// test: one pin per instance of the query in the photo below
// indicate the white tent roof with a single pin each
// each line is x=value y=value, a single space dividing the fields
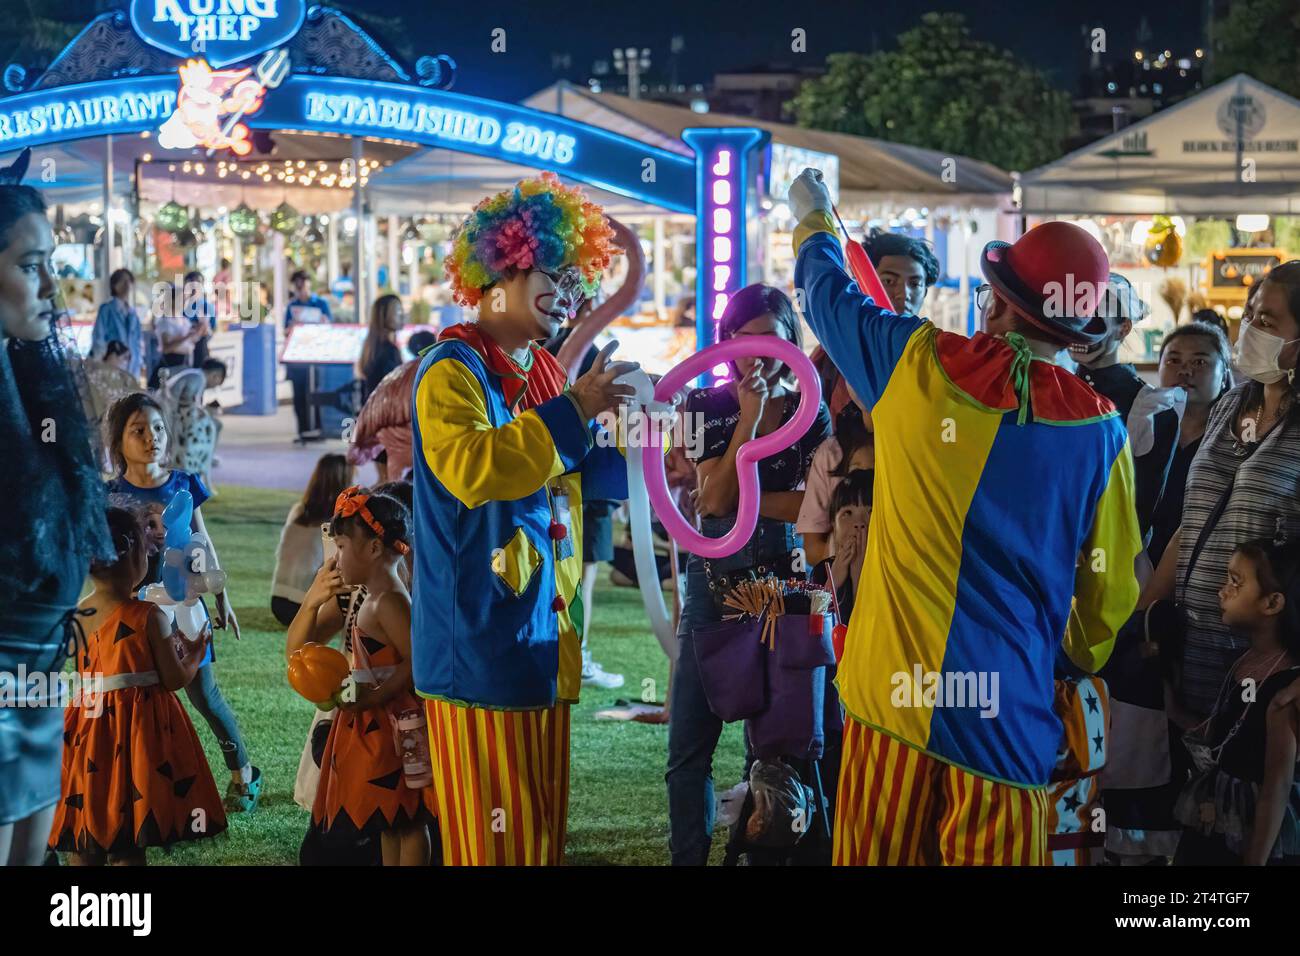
x=448 y=181
x=1186 y=160
x=869 y=168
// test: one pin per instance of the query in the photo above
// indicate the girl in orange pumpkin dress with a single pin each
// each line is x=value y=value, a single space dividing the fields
x=134 y=772
x=365 y=786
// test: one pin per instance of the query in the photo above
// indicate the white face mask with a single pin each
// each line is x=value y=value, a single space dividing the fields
x=1256 y=355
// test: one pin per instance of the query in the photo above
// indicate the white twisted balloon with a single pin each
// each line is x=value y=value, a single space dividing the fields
x=638 y=504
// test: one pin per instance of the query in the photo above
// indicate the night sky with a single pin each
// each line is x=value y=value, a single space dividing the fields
x=729 y=35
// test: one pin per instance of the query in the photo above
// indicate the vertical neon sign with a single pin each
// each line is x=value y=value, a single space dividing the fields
x=722 y=195
x=721 y=229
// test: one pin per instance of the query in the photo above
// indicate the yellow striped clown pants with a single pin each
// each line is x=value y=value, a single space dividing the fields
x=898 y=806
x=501 y=780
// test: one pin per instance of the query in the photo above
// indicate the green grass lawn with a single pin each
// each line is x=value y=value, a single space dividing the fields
x=618 y=807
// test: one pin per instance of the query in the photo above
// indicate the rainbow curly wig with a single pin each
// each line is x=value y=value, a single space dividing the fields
x=539 y=224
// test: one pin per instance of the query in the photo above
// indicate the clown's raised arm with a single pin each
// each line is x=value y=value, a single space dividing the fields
x=864 y=340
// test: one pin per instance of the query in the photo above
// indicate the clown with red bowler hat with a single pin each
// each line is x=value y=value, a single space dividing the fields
x=1003 y=527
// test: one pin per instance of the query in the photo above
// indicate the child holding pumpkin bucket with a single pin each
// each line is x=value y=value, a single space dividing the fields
x=365 y=785
x=134 y=772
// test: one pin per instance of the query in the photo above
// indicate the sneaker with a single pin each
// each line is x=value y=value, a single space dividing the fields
x=593 y=675
x=730 y=804
x=243 y=797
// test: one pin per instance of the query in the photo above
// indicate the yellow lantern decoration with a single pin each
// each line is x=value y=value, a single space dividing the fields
x=1163 y=246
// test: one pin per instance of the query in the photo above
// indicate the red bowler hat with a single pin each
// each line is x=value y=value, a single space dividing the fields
x=1054 y=276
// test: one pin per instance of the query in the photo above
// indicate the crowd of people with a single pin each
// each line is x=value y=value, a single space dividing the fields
x=1111 y=568
x=168 y=359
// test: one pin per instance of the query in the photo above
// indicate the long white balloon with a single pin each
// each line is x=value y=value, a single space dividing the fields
x=638 y=505
x=643 y=553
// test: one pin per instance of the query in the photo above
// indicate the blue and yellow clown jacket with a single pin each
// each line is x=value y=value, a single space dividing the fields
x=1003 y=523
x=487 y=629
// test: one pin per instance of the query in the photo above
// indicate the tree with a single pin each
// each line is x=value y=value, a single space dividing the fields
x=1259 y=37
x=943 y=90
x=41 y=29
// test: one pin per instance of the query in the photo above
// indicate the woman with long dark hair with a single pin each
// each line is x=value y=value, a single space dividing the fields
x=1141 y=785
x=301 y=550
x=380 y=355
x=55 y=521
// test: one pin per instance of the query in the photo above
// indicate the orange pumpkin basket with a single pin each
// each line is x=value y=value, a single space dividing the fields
x=317 y=672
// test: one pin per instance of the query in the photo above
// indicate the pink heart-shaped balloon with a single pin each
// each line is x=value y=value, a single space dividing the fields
x=747 y=459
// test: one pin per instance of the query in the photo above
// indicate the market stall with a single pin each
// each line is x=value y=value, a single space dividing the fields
x=1180 y=197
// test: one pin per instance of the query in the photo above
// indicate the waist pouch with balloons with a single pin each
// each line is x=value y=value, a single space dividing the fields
x=770 y=663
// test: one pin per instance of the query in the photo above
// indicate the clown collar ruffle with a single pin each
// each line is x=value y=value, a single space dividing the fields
x=1000 y=374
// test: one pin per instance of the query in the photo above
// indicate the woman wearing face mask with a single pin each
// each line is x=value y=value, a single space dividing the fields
x=54 y=526
x=1249 y=459
x=756 y=401
x=1197 y=358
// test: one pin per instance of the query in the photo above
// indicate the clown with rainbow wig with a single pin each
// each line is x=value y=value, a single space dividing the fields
x=501 y=451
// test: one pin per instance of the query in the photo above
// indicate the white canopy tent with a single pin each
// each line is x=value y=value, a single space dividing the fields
x=870 y=169
x=1231 y=149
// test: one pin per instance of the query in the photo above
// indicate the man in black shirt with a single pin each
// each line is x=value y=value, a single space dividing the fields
x=1151 y=414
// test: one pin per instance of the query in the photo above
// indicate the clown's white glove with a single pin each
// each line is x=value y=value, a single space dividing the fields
x=809 y=194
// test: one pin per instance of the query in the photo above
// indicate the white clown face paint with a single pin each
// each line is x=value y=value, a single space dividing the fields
x=553 y=299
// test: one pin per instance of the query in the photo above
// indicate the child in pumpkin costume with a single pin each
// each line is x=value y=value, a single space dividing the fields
x=499 y=443
x=364 y=790
x=134 y=772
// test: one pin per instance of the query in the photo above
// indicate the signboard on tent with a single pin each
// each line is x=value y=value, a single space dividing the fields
x=1231 y=273
x=787 y=162
x=1233 y=148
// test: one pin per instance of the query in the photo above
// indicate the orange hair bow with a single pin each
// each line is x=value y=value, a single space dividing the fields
x=352 y=502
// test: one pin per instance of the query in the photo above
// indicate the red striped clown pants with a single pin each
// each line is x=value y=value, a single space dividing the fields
x=898 y=806
x=501 y=782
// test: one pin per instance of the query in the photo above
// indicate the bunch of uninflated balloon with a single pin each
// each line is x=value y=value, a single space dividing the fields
x=189 y=569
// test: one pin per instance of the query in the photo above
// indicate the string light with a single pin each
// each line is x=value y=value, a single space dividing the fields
x=341 y=174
